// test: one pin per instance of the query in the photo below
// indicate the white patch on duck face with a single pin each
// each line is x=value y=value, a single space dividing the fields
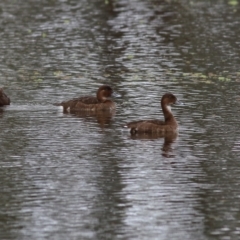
x=169 y=108
x=60 y=108
x=104 y=99
x=68 y=109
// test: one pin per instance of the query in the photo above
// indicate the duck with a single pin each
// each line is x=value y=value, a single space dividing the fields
x=168 y=126
x=102 y=102
x=4 y=99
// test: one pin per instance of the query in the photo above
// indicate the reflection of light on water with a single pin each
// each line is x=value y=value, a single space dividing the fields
x=236 y=147
x=29 y=107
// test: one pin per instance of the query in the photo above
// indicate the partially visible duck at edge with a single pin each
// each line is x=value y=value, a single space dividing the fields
x=4 y=99
x=102 y=102
x=168 y=126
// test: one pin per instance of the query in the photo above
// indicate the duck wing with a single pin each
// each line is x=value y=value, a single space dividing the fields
x=137 y=124
x=81 y=101
x=87 y=100
x=145 y=126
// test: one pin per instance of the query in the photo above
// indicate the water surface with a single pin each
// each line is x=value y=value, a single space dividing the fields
x=69 y=176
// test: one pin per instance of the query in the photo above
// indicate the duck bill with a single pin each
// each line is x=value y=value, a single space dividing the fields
x=179 y=103
x=115 y=95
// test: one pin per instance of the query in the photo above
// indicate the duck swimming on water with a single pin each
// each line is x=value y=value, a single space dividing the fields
x=101 y=102
x=169 y=125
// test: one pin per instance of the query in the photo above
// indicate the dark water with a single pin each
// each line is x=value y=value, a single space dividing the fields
x=84 y=177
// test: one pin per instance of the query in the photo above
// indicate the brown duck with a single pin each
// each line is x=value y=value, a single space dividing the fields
x=169 y=125
x=102 y=102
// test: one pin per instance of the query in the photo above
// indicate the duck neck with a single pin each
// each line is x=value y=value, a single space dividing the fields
x=167 y=113
x=101 y=98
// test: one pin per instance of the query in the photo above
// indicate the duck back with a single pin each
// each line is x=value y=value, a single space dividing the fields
x=87 y=103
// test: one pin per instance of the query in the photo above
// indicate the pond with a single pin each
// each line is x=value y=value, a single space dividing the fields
x=66 y=176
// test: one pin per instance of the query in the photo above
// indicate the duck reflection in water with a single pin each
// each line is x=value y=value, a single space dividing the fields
x=103 y=118
x=1 y=112
x=169 y=139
